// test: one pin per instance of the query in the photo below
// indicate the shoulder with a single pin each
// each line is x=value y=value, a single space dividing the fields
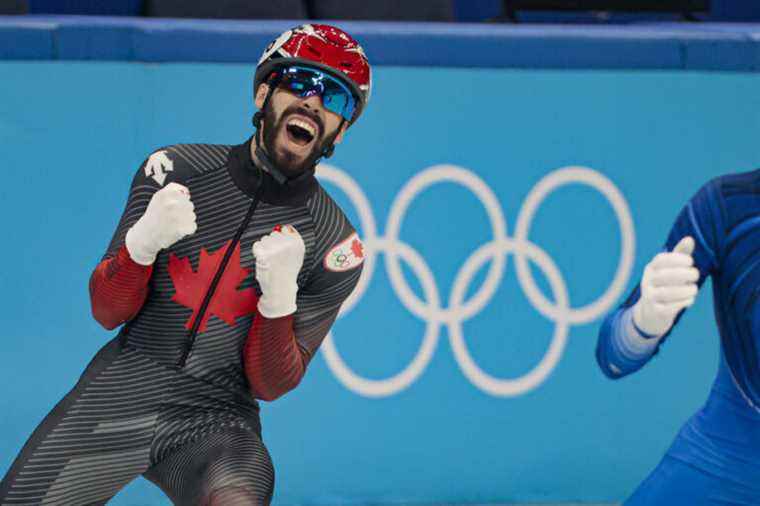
x=327 y=216
x=179 y=162
x=736 y=184
x=338 y=247
x=719 y=206
x=721 y=189
x=735 y=197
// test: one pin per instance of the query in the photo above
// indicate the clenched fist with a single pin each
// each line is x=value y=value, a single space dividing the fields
x=279 y=256
x=669 y=285
x=170 y=216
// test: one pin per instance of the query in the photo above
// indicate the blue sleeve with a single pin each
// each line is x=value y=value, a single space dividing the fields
x=622 y=348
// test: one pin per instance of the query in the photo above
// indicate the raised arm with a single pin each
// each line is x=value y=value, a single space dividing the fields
x=291 y=323
x=154 y=219
x=632 y=334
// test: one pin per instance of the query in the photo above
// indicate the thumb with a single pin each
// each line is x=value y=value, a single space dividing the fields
x=256 y=250
x=685 y=246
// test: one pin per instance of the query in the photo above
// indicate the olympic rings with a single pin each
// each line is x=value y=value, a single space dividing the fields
x=458 y=310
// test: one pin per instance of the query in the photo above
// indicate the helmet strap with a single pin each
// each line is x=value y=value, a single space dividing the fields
x=264 y=159
x=328 y=151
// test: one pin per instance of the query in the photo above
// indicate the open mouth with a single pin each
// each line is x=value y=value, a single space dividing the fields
x=300 y=132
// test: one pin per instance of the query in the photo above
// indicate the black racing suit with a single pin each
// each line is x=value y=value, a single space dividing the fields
x=172 y=397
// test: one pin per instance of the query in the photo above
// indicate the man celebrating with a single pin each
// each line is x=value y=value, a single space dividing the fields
x=714 y=459
x=229 y=266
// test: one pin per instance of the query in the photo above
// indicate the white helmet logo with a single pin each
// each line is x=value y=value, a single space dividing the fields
x=275 y=45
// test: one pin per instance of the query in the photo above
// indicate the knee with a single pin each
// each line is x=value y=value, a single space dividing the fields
x=242 y=475
x=242 y=487
x=239 y=496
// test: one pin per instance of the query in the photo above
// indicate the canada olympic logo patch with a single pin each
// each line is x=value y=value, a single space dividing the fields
x=347 y=255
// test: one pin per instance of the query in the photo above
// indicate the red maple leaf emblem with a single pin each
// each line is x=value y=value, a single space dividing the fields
x=357 y=248
x=228 y=303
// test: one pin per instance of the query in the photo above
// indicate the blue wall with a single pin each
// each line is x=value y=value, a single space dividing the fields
x=72 y=134
x=464 y=10
x=697 y=46
x=720 y=10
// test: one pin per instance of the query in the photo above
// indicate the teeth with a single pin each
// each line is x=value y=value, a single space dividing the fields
x=304 y=125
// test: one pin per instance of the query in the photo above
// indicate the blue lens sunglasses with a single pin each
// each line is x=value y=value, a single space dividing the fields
x=306 y=82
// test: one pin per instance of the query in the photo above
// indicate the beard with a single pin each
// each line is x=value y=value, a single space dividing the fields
x=291 y=164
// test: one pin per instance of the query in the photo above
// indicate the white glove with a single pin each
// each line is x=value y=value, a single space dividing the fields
x=279 y=256
x=170 y=216
x=669 y=285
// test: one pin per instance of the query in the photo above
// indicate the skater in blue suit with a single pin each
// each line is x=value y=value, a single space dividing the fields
x=715 y=459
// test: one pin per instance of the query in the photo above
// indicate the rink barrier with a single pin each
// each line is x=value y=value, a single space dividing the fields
x=723 y=47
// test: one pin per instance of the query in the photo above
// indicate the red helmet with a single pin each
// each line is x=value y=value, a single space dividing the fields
x=325 y=47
